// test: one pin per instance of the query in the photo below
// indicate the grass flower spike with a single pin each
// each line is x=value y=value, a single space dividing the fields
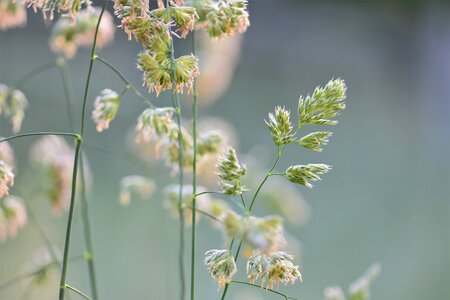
x=324 y=105
x=315 y=141
x=223 y=18
x=106 y=106
x=221 y=265
x=274 y=268
x=230 y=171
x=302 y=173
x=280 y=126
x=153 y=122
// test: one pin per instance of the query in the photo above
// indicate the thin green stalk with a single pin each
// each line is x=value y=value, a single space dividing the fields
x=87 y=233
x=204 y=193
x=259 y=287
x=128 y=84
x=206 y=214
x=84 y=204
x=78 y=292
x=279 y=151
x=62 y=286
x=194 y=173
x=265 y=178
x=18 y=83
x=74 y=135
x=177 y=106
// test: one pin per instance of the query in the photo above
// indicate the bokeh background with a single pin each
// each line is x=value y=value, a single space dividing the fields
x=386 y=200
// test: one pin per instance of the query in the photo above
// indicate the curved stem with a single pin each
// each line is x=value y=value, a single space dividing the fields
x=194 y=174
x=18 y=83
x=128 y=84
x=62 y=286
x=78 y=292
x=265 y=178
x=74 y=135
x=206 y=214
x=208 y=192
x=266 y=289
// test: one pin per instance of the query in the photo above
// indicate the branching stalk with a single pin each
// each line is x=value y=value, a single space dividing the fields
x=128 y=84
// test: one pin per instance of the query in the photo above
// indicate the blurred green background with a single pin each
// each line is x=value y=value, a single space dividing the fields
x=386 y=200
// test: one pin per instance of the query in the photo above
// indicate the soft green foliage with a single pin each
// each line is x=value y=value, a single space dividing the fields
x=230 y=171
x=302 y=173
